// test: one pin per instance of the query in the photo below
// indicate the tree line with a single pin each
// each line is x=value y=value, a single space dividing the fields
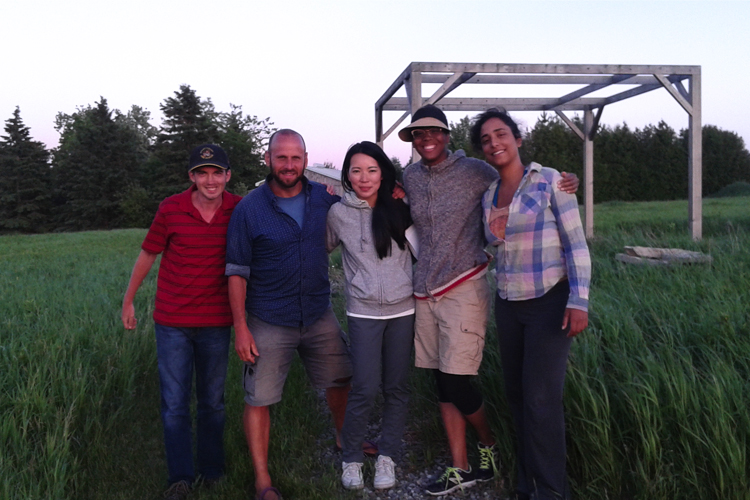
x=112 y=169
x=646 y=164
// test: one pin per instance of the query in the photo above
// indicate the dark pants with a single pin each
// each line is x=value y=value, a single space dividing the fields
x=179 y=350
x=380 y=351
x=534 y=352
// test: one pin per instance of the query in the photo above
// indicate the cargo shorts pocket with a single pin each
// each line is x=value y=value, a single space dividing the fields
x=472 y=340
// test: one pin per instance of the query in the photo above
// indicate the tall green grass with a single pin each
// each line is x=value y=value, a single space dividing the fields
x=657 y=395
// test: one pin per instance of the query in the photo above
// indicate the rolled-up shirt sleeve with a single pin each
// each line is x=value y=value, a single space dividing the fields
x=239 y=244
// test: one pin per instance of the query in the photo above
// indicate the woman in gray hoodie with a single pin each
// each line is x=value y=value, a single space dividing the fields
x=370 y=225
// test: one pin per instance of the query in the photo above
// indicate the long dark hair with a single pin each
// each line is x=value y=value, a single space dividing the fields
x=390 y=217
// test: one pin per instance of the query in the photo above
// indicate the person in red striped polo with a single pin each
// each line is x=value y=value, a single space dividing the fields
x=192 y=315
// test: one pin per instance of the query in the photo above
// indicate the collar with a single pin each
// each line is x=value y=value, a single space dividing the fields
x=445 y=164
x=185 y=201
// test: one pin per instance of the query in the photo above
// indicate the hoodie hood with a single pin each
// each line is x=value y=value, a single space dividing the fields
x=350 y=199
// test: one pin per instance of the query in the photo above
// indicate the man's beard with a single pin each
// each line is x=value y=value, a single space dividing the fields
x=283 y=183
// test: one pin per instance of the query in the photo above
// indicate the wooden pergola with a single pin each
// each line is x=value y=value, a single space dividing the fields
x=592 y=78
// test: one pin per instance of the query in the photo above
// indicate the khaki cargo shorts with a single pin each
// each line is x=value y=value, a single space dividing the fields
x=449 y=331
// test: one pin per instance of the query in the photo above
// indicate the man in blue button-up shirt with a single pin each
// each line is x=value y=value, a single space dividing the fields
x=279 y=293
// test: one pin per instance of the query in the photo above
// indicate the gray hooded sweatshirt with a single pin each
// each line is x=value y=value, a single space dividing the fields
x=445 y=201
x=374 y=287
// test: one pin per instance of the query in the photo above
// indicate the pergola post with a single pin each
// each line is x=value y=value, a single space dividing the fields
x=695 y=158
x=588 y=172
x=414 y=93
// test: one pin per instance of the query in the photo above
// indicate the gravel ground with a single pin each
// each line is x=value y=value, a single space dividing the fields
x=411 y=473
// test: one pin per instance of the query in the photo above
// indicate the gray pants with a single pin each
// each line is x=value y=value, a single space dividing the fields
x=380 y=351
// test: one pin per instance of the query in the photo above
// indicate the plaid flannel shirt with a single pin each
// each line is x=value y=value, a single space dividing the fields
x=544 y=240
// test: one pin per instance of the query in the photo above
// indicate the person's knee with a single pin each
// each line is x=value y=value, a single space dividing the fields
x=458 y=390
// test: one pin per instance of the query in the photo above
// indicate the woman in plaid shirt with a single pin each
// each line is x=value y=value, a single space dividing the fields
x=543 y=272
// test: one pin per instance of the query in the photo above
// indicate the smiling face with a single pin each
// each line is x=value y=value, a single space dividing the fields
x=210 y=181
x=432 y=147
x=365 y=176
x=499 y=146
x=287 y=159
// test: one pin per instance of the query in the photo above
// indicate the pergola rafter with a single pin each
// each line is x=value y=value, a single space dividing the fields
x=594 y=78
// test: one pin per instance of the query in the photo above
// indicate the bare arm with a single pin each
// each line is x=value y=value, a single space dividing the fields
x=140 y=270
x=244 y=343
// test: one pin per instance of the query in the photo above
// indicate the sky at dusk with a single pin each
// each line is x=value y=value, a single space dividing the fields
x=318 y=67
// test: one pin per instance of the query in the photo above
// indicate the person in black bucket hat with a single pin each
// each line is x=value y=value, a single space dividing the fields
x=445 y=189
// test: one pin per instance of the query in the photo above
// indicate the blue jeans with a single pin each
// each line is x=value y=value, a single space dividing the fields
x=178 y=350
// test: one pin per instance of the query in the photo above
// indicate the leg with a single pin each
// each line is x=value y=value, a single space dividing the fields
x=481 y=425
x=174 y=351
x=323 y=351
x=263 y=382
x=211 y=358
x=455 y=429
x=545 y=363
x=511 y=339
x=398 y=340
x=256 y=421
x=365 y=344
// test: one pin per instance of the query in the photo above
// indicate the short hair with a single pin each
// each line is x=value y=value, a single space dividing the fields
x=286 y=131
x=499 y=113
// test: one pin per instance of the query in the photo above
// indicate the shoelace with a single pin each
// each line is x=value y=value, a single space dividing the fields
x=352 y=470
x=383 y=466
x=451 y=474
x=486 y=459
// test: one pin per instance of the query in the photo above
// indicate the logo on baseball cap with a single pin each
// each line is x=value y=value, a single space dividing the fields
x=208 y=155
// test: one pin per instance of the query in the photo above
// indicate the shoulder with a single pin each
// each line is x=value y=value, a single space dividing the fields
x=547 y=174
x=318 y=191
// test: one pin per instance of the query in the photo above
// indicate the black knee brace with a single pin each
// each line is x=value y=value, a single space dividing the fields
x=457 y=389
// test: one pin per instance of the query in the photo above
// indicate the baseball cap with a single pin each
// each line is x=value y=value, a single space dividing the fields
x=208 y=155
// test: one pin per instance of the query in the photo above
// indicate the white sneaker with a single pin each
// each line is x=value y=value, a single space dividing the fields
x=351 y=478
x=385 y=473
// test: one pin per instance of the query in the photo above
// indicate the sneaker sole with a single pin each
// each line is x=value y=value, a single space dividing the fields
x=384 y=486
x=484 y=480
x=467 y=484
x=354 y=486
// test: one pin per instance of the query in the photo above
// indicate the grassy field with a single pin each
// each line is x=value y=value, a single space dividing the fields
x=657 y=396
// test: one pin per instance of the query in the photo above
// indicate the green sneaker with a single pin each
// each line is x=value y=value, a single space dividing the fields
x=489 y=462
x=452 y=479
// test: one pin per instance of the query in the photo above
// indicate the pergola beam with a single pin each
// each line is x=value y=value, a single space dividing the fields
x=594 y=77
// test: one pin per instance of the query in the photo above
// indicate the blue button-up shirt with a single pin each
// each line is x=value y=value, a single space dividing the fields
x=286 y=267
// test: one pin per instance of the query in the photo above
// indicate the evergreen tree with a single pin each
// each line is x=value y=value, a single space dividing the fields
x=460 y=138
x=725 y=158
x=188 y=122
x=244 y=138
x=24 y=179
x=98 y=157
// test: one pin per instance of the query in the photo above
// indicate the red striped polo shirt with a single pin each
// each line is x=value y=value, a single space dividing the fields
x=191 y=290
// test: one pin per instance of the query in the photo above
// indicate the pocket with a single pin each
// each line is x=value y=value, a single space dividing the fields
x=398 y=289
x=472 y=340
x=535 y=200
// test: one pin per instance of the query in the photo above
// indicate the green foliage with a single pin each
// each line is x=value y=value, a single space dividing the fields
x=739 y=188
x=244 y=138
x=460 y=138
x=725 y=159
x=188 y=122
x=98 y=155
x=25 y=180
